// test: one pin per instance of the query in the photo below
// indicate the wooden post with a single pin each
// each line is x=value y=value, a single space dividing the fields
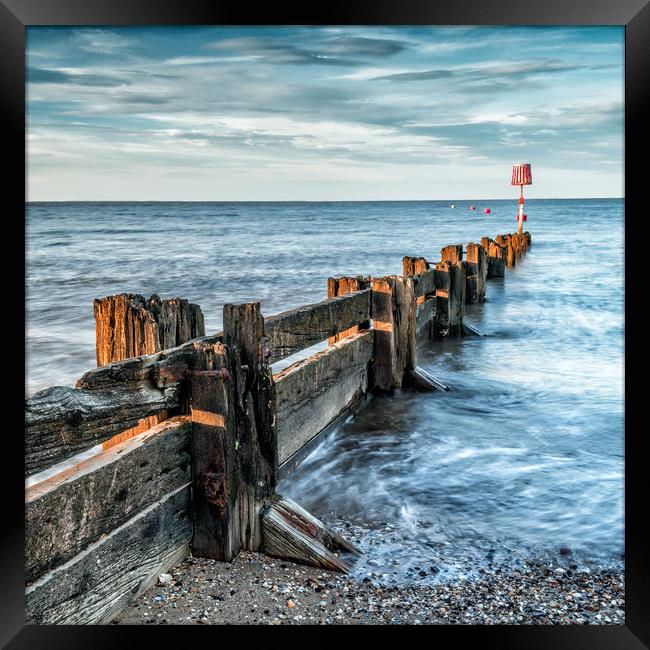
x=215 y=471
x=450 y=297
x=506 y=242
x=476 y=260
x=127 y=326
x=415 y=266
x=255 y=417
x=451 y=253
x=528 y=238
x=339 y=287
x=393 y=316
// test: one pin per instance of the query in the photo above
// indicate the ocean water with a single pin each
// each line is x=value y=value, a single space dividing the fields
x=522 y=457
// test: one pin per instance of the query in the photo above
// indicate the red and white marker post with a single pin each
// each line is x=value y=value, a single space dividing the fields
x=521 y=175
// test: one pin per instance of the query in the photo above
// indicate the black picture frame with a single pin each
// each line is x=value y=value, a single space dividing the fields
x=16 y=15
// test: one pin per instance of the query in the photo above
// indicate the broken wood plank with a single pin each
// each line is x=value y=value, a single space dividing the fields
x=313 y=392
x=61 y=421
x=341 y=287
x=470 y=330
x=255 y=416
x=297 y=329
x=74 y=508
x=393 y=317
x=421 y=380
x=290 y=532
x=98 y=583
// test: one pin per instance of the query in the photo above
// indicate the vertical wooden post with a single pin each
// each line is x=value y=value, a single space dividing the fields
x=393 y=316
x=506 y=242
x=451 y=278
x=339 y=287
x=476 y=260
x=415 y=266
x=127 y=325
x=255 y=417
x=215 y=472
x=451 y=253
x=528 y=238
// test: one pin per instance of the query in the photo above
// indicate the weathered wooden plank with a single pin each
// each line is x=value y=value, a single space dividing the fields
x=215 y=471
x=98 y=583
x=424 y=285
x=393 y=316
x=255 y=417
x=74 y=508
x=63 y=421
x=451 y=253
x=476 y=260
x=421 y=380
x=162 y=369
x=341 y=287
x=450 y=298
x=496 y=258
x=313 y=392
x=297 y=329
x=290 y=464
x=425 y=314
x=290 y=532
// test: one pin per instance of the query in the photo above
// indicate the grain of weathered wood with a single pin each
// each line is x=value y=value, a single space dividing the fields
x=128 y=325
x=476 y=260
x=496 y=258
x=297 y=329
x=451 y=253
x=63 y=421
x=290 y=532
x=255 y=416
x=394 y=322
x=162 y=369
x=425 y=314
x=340 y=287
x=215 y=470
x=312 y=393
x=450 y=298
x=71 y=510
x=98 y=583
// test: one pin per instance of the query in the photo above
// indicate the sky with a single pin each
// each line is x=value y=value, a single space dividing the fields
x=218 y=113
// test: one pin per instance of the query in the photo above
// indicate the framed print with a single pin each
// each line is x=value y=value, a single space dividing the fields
x=326 y=320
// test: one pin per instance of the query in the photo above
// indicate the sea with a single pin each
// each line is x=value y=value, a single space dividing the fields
x=523 y=458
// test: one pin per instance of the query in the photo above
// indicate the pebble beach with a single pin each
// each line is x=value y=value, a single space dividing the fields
x=258 y=590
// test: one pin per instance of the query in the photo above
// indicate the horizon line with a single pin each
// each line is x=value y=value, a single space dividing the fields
x=539 y=198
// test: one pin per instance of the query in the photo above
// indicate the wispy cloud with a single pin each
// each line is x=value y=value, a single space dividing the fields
x=252 y=112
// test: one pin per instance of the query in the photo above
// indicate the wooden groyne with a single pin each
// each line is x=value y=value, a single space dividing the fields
x=197 y=430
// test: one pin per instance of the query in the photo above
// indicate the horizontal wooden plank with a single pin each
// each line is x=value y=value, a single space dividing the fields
x=66 y=513
x=63 y=421
x=161 y=369
x=98 y=583
x=297 y=329
x=312 y=393
x=425 y=283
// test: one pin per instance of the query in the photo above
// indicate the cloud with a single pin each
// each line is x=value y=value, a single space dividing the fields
x=278 y=52
x=366 y=47
x=43 y=75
